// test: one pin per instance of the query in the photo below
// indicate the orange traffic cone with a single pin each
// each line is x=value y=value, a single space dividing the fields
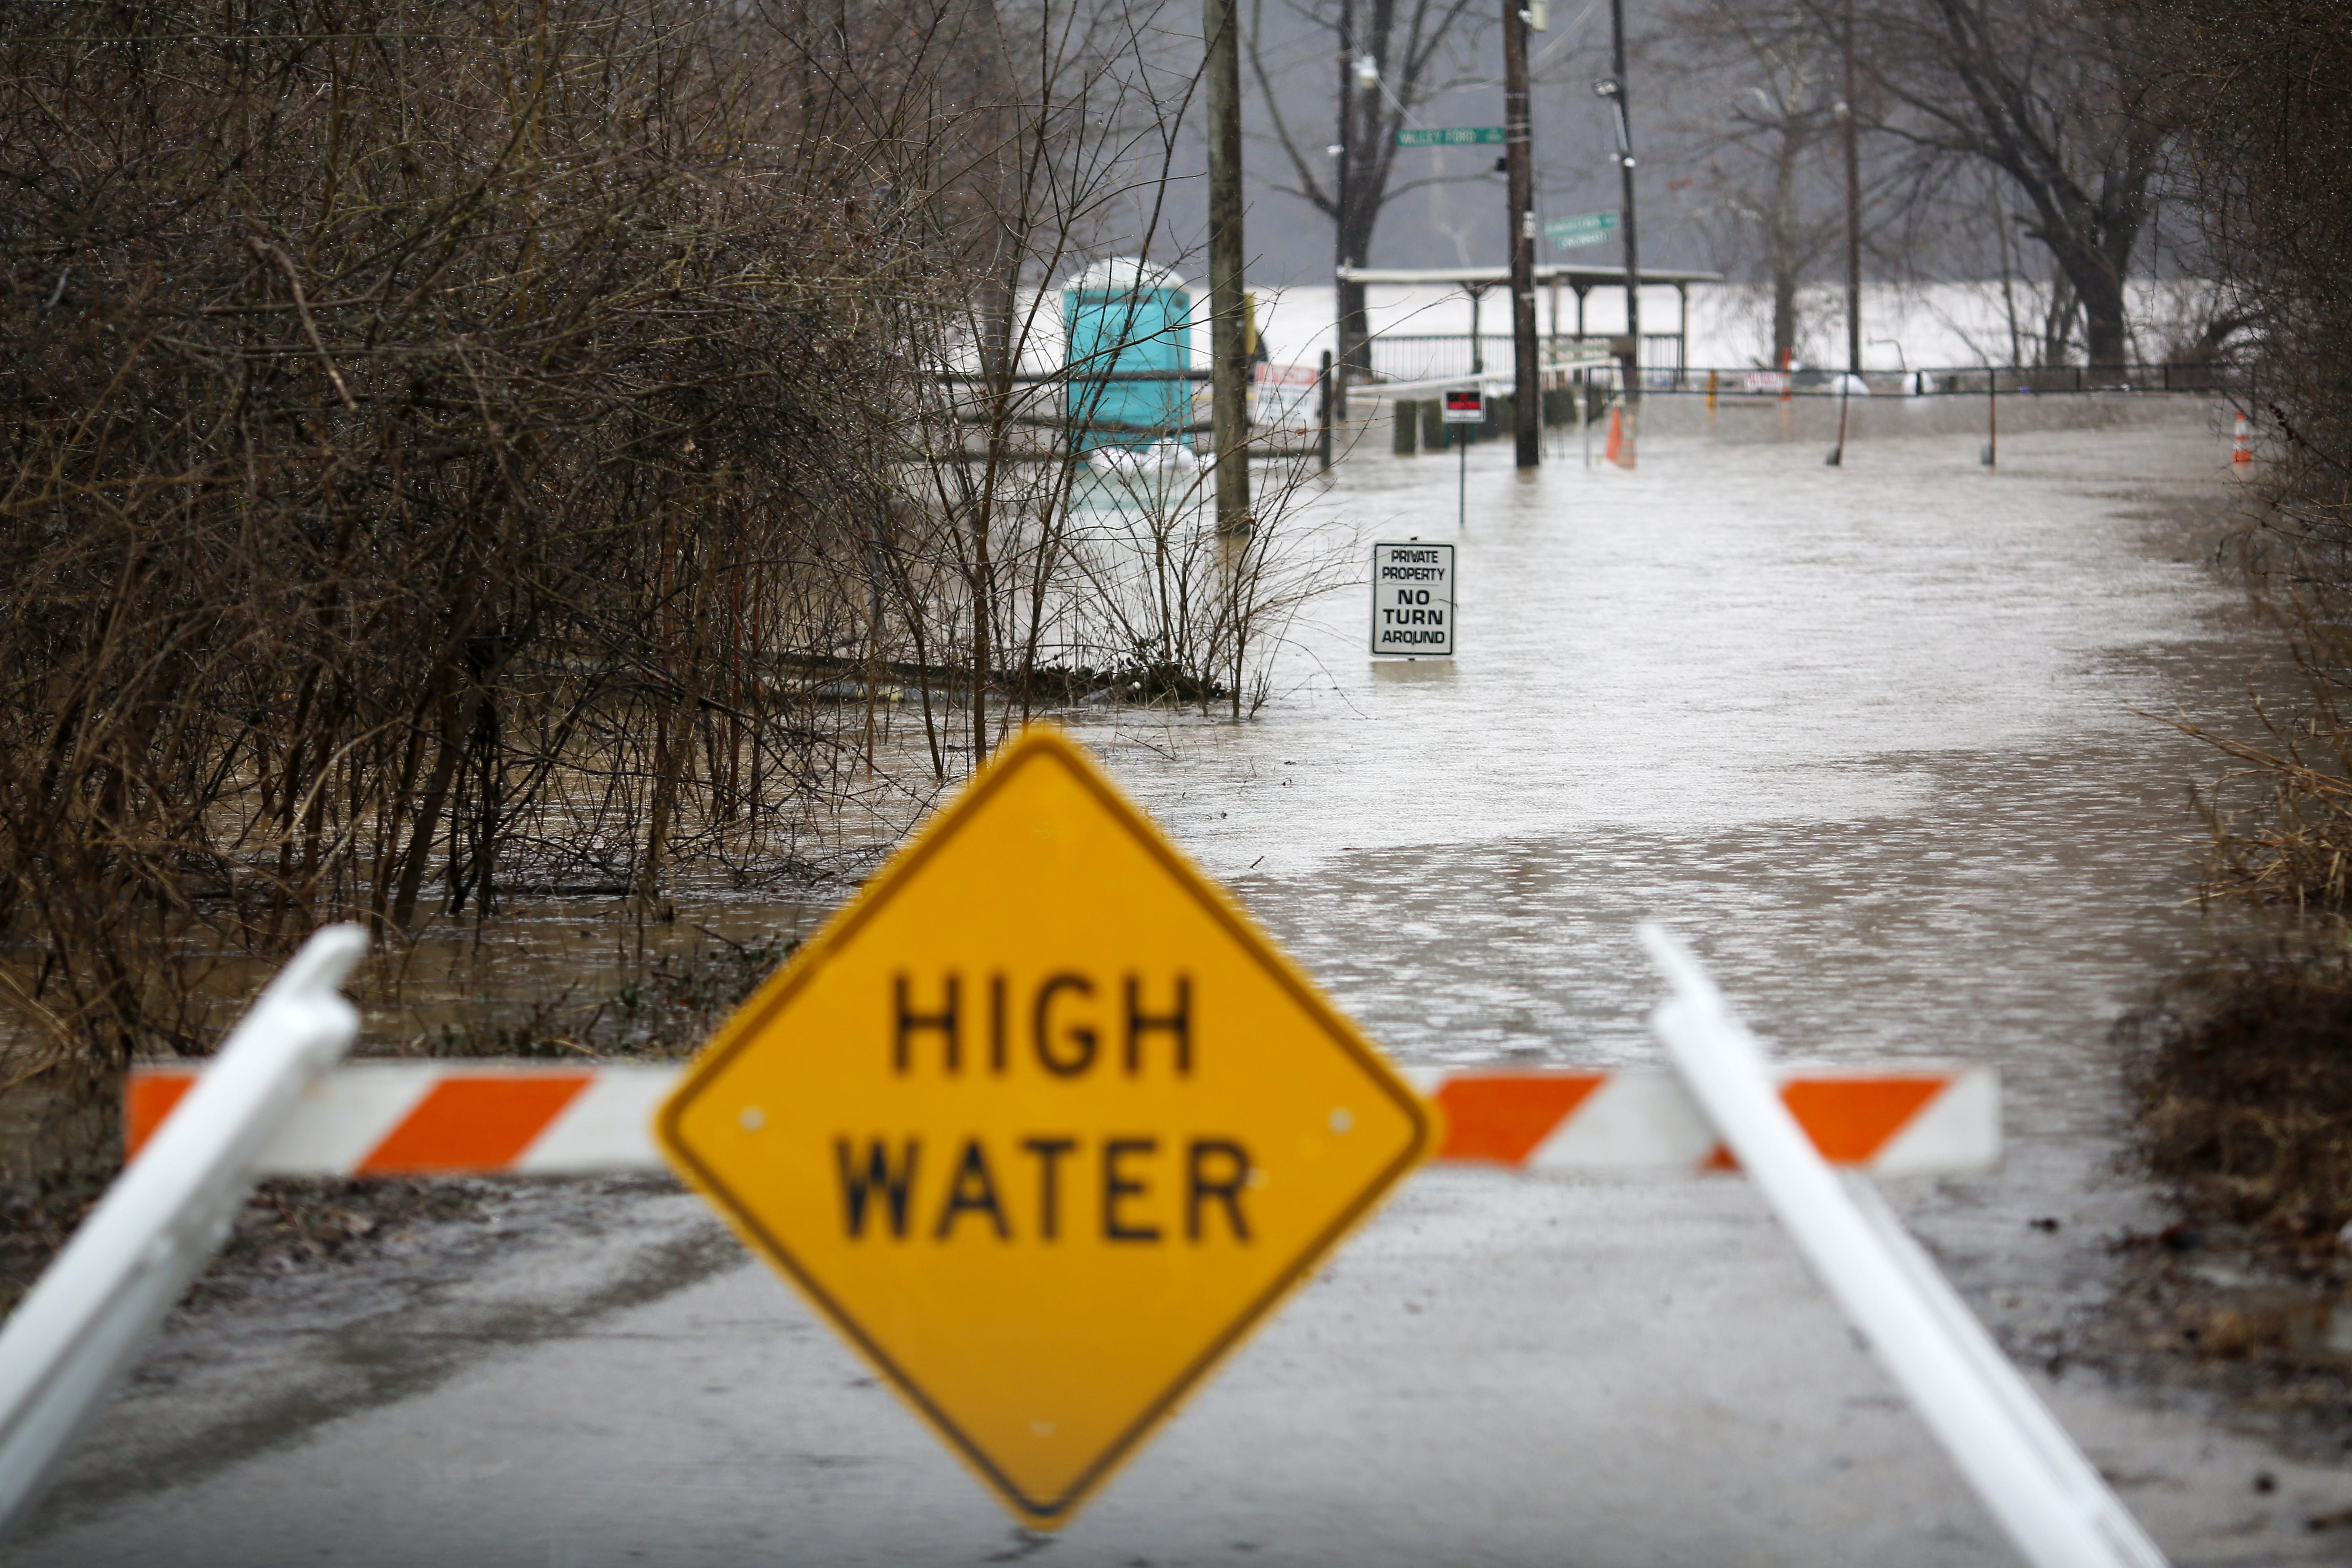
x=2242 y=445
x=1620 y=450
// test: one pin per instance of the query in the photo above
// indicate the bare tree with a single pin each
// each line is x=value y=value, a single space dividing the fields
x=2053 y=94
x=1389 y=55
x=1772 y=74
x=454 y=454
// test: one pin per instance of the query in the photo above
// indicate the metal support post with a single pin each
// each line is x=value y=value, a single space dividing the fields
x=2046 y=1498
x=86 y=1318
x=1460 y=437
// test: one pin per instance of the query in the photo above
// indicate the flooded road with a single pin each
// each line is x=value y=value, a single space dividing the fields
x=1866 y=737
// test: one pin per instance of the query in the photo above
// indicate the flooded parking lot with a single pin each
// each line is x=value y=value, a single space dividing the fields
x=1879 y=740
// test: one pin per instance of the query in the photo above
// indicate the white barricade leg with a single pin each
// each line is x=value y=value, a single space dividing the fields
x=133 y=1258
x=2048 y=1500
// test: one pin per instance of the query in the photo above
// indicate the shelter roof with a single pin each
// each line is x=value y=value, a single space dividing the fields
x=1496 y=277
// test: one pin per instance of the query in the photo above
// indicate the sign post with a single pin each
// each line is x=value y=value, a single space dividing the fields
x=1463 y=406
x=1043 y=1124
x=1412 y=599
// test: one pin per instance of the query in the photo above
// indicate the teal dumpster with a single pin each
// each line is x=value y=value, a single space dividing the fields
x=1119 y=316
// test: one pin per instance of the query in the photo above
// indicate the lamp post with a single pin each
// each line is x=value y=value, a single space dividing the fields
x=1844 y=111
x=1614 y=89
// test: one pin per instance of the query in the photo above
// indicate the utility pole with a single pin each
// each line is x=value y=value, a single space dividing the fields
x=1518 y=159
x=1343 y=150
x=1852 y=241
x=1614 y=89
x=1852 y=209
x=1229 y=366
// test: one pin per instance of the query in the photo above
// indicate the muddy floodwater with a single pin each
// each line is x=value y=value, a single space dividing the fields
x=1878 y=741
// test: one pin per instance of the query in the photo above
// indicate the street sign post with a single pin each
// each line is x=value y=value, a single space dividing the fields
x=1463 y=406
x=1412 y=599
x=1043 y=1124
x=1586 y=228
x=1452 y=136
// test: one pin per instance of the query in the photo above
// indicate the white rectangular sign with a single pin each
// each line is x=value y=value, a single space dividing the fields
x=1412 y=599
x=1282 y=397
x=1465 y=405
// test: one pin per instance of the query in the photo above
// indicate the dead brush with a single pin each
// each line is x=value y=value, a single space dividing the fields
x=2246 y=1094
x=2244 y=1073
x=2279 y=825
x=450 y=451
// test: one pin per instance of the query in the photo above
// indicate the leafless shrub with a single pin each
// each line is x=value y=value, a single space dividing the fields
x=454 y=449
x=2266 y=93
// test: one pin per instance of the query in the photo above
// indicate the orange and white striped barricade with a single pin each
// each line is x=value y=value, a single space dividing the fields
x=1926 y=1120
x=434 y=1118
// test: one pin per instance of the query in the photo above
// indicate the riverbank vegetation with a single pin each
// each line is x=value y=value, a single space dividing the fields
x=458 y=452
x=2247 y=1064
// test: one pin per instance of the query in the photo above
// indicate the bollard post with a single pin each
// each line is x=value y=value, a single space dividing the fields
x=1406 y=422
x=94 y=1307
x=1323 y=414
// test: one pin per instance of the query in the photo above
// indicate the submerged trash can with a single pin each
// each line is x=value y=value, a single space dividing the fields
x=1119 y=316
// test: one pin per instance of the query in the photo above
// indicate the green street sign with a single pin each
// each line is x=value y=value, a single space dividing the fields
x=1453 y=136
x=1589 y=228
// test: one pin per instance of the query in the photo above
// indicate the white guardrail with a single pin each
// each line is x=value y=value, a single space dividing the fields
x=79 y=1329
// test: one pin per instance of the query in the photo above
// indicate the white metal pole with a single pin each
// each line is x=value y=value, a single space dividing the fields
x=85 y=1320
x=2051 y=1504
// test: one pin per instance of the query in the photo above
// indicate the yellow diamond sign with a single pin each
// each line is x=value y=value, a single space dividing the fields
x=1043 y=1124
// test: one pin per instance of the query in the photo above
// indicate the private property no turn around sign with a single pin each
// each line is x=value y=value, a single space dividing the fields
x=1043 y=1124
x=1412 y=599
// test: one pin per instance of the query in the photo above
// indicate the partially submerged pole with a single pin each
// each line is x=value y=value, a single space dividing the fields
x=1229 y=366
x=1613 y=88
x=1518 y=159
x=1852 y=241
x=1323 y=416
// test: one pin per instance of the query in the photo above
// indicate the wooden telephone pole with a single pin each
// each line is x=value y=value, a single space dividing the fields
x=1229 y=364
x=1518 y=159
